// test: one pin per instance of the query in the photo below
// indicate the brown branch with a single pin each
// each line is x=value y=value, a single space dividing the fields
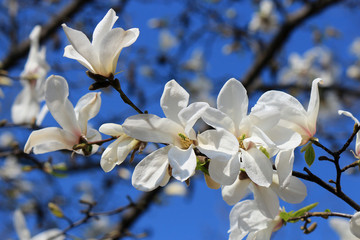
x=47 y=30
x=291 y=23
x=131 y=216
x=321 y=214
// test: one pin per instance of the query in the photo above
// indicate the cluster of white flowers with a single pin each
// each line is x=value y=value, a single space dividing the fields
x=316 y=62
x=240 y=151
x=353 y=71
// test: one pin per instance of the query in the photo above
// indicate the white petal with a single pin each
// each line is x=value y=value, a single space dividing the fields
x=109 y=157
x=257 y=166
x=284 y=164
x=49 y=234
x=125 y=147
x=218 y=144
x=70 y=52
x=189 y=115
x=173 y=100
x=26 y=106
x=111 y=129
x=182 y=162
x=250 y=219
x=103 y=27
x=284 y=138
x=342 y=227
x=355 y=224
x=235 y=192
x=53 y=138
x=233 y=100
x=86 y=108
x=218 y=119
x=224 y=171
x=56 y=97
x=130 y=36
x=82 y=45
x=20 y=225
x=314 y=103
x=294 y=192
x=151 y=128
x=267 y=201
x=150 y=172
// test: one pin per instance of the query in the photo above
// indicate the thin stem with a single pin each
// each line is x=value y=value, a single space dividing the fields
x=100 y=142
x=321 y=214
x=116 y=85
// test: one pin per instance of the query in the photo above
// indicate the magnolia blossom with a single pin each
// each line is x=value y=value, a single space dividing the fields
x=24 y=233
x=117 y=151
x=27 y=104
x=265 y=19
x=316 y=62
x=265 y=197
x=241 y=136
x=176 y=130
x=345 y=229
x=355 y=224
x=73 y=121
x=290 y=111
x=101 y=55
x=246 y=219
x=357 y=143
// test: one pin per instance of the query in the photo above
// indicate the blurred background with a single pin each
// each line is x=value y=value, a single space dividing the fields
x=279 y=44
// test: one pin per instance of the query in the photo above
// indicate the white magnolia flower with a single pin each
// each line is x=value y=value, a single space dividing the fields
x=265 y=19
x=240 y=136
x=265 y=197
x=357 y=143
x=117 y=151
x=355 y=47
x=246 y=219
x=317 y=62
x=167 y=40
x=101 y=55
x=73 y=121
x=27 y=104
x=342 y=227
x=355 y=224
x=24 y=233
x=290 y=111
x=176 y=130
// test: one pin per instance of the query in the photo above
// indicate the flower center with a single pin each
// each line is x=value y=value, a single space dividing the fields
x=185 y=142
x=241 y=141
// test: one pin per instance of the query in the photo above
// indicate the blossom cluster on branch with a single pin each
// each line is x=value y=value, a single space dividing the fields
x=240 y=151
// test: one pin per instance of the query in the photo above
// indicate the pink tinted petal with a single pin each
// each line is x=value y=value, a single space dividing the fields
x=182 y=162
x=233 y=101
x=173 y=100
x=151 y=171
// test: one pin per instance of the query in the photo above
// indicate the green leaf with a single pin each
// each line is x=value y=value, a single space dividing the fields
x=285 y=216
x=309 y=155
x=55 y=210
x=327 y=210
x=303 y=210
